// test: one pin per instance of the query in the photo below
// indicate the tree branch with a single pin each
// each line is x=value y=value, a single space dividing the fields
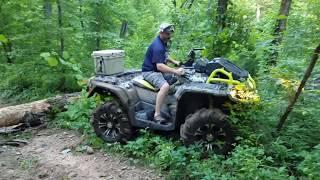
x=302 y=84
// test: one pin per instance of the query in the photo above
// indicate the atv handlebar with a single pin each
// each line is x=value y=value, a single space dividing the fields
x=191 y=56
x=186 y=73
x=197 y=49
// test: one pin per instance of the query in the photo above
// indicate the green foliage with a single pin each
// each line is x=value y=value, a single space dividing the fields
x=41 y=78
x=3 y=39
x=310 y=165
x=251 y=159
x=78 y=114
x=31 y=37
x=252 y=163
x=52 y=61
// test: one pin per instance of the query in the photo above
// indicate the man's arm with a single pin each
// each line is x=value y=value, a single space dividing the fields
x=159 y=59
x=171 y=60
x=166 y=69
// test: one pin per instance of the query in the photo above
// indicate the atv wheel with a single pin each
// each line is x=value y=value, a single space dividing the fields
x=209 y=128
x=111 y=123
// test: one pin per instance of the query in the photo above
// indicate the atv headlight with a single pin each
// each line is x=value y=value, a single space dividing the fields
x=243 y=94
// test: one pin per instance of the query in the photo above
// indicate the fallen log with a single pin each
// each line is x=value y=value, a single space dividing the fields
x=33 y=113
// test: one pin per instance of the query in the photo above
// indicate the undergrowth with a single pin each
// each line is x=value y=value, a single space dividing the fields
x=257 y=156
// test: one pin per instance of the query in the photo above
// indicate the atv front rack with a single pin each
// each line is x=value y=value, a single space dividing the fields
x=244 y=92
x=213 y=78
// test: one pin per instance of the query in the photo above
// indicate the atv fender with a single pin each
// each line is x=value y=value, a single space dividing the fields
x=194 y=96
x=201 y=88
x=101 y=87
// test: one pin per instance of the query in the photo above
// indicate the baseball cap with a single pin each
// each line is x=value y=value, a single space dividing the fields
x=166 y=27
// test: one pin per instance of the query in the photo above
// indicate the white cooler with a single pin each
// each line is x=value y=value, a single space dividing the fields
x=108 y=62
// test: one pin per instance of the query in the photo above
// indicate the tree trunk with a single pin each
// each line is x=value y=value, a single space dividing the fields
x=187 y=4
x=258 y=12
x=98 y=28
x=81 y=14
x=222 y=12
x=17 y=114
x=302 y=84
x=7 y=47
x=183 y=4
x=283 y=14
x=174 y=2
x=47 y=9
x=190 y=4
x=279 y=29
x=97 y=43
x=60 y=28
x=124 y=29
x=13 y=115
x=209 y=12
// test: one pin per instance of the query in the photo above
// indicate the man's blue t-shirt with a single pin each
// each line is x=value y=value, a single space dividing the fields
x=156 y=53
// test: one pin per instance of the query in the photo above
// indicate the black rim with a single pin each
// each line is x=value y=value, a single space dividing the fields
x=109 y=125
x=212 y=137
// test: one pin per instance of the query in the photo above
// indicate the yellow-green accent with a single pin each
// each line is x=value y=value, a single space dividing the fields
x=245 y=101
x=249 y=84
x=229 y=81
x=146 y=84
x=250 y=80
x=211 y=79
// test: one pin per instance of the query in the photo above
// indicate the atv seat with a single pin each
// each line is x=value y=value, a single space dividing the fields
x=140 y=82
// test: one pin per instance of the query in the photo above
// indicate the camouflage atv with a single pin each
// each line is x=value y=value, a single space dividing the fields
x=196 y=105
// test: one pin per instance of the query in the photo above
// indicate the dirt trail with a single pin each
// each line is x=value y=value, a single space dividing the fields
x=51 y=154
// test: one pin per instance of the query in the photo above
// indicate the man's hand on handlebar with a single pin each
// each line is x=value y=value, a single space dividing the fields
x=177 y=63
x=179 y=71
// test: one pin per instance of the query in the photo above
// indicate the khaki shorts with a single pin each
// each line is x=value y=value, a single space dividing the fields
x=158 y=79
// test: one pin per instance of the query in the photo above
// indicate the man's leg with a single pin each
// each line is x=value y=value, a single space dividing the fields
x=157 y=79
x=161 y=97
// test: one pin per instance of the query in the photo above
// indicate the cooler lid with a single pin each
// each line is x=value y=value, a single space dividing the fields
x=109 y=53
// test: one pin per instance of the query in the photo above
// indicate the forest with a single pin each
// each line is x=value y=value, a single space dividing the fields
x=46 y=47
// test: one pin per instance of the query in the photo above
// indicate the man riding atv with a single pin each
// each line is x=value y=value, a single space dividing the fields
x=155 y=69
x=196 y=107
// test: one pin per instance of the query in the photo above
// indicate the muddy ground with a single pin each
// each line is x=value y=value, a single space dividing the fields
x=54 y=154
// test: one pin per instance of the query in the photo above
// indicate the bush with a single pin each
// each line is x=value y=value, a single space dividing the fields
x=78 y=115
x=310 y=166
